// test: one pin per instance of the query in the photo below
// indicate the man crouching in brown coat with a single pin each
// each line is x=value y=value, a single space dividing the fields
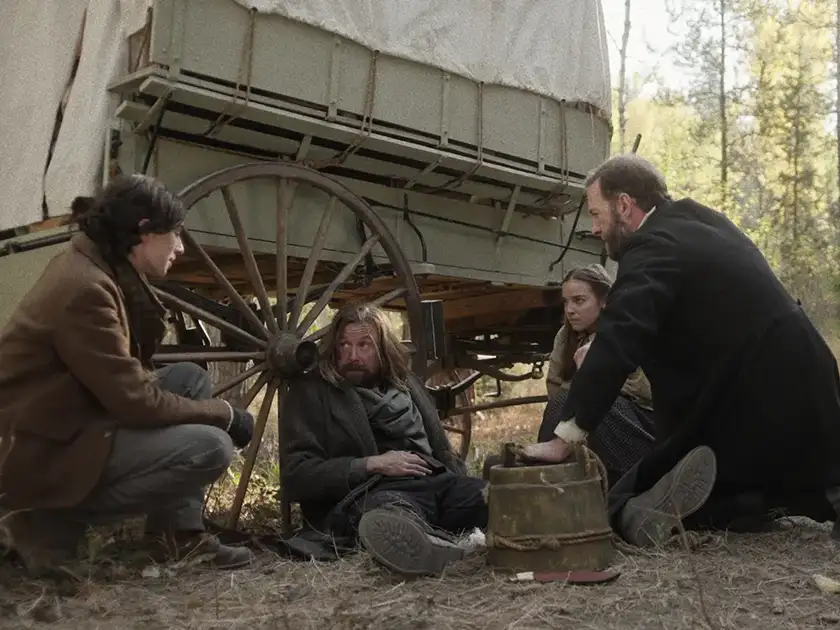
x=89 y=433
x=365 y=454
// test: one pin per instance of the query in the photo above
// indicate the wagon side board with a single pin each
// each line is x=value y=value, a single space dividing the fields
x=19 y=271
x=461 y=240
x=331 y=74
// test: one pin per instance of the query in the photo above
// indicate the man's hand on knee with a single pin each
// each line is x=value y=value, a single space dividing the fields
x=397 y=464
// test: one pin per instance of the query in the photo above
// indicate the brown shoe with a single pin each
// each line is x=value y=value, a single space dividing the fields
x=194 y=548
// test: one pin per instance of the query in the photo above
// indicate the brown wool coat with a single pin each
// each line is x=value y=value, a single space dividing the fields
x=68 y=378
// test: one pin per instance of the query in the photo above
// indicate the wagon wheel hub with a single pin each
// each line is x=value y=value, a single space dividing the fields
x=289 y=356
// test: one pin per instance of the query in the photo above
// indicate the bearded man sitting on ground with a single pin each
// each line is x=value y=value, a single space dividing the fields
x=364 y=452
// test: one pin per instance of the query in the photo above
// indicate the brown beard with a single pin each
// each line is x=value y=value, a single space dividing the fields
x=359 y=376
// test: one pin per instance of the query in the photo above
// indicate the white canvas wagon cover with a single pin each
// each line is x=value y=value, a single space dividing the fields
x=556 y=48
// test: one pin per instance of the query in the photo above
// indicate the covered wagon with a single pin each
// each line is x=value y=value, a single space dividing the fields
x=426 y=155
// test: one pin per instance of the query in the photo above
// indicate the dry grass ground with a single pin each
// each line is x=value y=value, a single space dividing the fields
x=759 y=581
x=737 y=582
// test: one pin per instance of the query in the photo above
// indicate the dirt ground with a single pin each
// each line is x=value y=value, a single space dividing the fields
x=758 y=581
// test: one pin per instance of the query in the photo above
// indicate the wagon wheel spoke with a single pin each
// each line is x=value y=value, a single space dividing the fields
x=285 y=197
x=285 y=505
x=259 y=368
x=312 y=263
x=255 y=389
x=382 y=300
x=250 y=261
x=209 y=355
x=253 y=450
x=211 y=319
x=325 y=298
x=236 y=299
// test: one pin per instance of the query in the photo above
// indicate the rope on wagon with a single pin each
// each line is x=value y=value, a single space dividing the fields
x=365 y=129
x=234 y=108
x=456 y=182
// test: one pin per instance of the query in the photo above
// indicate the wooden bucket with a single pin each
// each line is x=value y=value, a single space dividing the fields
x=549 y=518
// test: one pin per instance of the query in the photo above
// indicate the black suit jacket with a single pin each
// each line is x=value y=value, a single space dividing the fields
x=325 y=435
x=732 y=359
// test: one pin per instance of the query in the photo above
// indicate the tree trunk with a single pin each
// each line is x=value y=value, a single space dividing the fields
x=622 y=79
x=837 y=87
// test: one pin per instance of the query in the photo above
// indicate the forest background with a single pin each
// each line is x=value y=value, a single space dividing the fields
x=736 y=102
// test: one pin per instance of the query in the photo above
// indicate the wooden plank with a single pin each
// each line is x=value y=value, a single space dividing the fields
x=516 y=301
x=213 y=98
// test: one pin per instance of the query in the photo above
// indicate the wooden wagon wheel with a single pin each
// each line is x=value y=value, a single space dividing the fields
x=278 y=338
x=461 y=425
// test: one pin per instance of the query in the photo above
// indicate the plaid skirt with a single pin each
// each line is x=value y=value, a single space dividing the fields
x=621 y=439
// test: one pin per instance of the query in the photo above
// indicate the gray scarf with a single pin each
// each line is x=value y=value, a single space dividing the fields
x=395 y=420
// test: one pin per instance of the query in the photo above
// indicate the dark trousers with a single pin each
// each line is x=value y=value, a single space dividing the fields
x=733 y=508
x=451 y=502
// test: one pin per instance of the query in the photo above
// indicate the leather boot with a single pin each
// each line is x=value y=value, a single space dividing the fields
x=403 y=542
x=649 y=519
x=193 y=548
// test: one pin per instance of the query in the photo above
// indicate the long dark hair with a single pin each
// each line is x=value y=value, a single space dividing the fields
x=600 y=282
x=126 y=208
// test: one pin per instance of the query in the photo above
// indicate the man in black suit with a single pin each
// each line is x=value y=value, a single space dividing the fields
x=746 y=391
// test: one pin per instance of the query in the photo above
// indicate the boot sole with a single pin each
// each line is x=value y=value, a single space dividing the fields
x=400 y=544
x=676 y=496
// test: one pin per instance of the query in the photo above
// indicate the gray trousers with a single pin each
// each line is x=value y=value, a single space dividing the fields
x=160 y=473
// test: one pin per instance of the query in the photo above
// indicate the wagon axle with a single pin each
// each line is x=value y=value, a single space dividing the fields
x=290 y=356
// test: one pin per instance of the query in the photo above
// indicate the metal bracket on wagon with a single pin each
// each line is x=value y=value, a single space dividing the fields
x=434 y=330
x=445 y=396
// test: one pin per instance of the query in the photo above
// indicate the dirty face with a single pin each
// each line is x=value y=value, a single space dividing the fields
x=358 y=354
x=581 y=305
x=155 y=253
x=609 y=219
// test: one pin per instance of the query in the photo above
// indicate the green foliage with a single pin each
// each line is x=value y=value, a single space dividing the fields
x=751 y=132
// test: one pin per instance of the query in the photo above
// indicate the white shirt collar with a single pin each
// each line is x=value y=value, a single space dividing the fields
x=647 y=216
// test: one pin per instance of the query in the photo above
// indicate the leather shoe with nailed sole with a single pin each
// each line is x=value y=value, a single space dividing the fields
x=649 y=519
x=405 y=544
